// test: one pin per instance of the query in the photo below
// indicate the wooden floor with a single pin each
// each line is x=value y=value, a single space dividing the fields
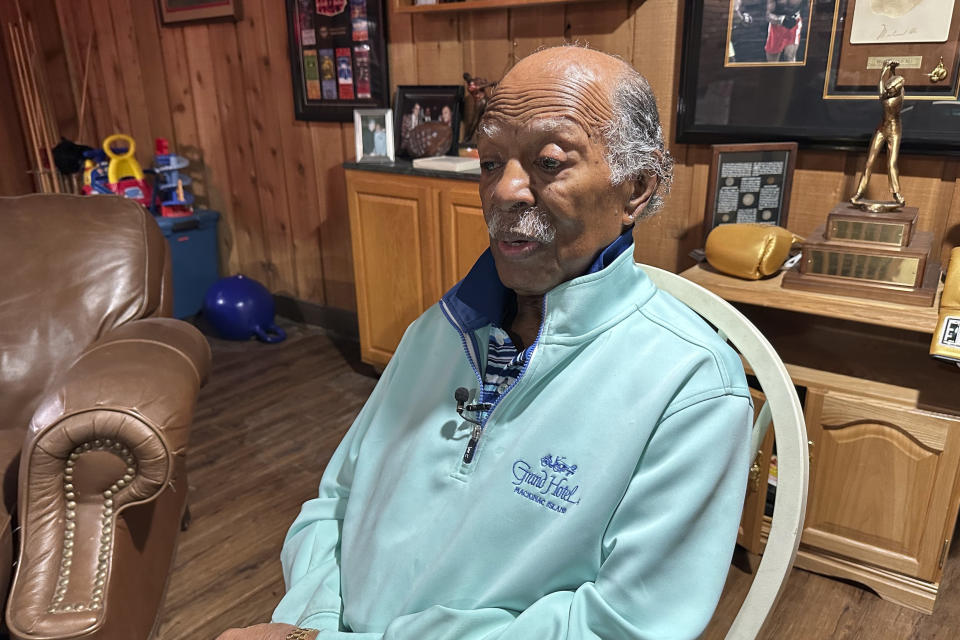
x=266 y=425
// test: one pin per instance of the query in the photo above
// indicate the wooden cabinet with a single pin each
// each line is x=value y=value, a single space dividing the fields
x=883 y=421
x=413 y=238
x=896 y=466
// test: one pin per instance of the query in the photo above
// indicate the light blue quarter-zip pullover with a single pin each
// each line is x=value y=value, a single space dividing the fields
x=602 y=499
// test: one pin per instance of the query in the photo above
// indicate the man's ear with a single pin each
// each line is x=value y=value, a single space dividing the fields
x=643 y=188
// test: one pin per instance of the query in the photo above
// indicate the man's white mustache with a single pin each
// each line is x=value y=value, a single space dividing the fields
x=530 y=222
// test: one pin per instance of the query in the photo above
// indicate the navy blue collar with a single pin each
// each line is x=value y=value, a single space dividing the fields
x=612 y=252
x=481 y=298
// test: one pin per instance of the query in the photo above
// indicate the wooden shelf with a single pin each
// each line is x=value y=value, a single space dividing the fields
x=407 y=6
x=768 y=293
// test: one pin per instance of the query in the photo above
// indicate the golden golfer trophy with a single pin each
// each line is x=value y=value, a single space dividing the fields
x=871 y=248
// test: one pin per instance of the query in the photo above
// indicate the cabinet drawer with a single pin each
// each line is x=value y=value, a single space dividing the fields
x=881 y=480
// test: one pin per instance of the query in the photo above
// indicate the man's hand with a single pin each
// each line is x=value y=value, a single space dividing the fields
x=272 y=631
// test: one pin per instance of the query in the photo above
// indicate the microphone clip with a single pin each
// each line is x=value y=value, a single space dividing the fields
x=461 y=395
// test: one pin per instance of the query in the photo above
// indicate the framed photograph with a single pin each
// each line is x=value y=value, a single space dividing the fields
x=373 y=133
x=820 y=89
x=427 y=120
x=338 y=57
x=180 y=11
x=750 y=183
x=757 y=36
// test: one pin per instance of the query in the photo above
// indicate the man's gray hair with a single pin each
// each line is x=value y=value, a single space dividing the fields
x=634 y=138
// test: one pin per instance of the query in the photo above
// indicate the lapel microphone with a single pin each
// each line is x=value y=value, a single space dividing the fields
x=461 y=395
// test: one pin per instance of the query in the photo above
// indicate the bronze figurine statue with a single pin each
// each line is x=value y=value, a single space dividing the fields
x=890 y=132
x=479 y=90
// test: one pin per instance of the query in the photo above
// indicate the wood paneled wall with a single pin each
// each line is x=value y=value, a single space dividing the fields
x=222 y=93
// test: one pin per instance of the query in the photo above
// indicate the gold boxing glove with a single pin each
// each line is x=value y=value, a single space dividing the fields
x=748 y=250
x=946 y=339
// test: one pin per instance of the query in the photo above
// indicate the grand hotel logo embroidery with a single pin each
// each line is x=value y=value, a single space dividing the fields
x=549 y=485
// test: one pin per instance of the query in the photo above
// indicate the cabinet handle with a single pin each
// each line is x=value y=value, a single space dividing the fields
x=755 y=472
x=943 y=553
x=810 y=445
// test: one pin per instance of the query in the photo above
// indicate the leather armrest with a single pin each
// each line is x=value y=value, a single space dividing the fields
x=104 y=438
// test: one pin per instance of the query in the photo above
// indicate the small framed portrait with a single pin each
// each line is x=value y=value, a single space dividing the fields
x=750 y=183
x=180 y=11
x=374 y=135
x=427 y=120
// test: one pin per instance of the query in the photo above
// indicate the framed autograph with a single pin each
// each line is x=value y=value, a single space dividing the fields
x=750 y=183
x=338 y=57
x=807 y=71
x=924 y=37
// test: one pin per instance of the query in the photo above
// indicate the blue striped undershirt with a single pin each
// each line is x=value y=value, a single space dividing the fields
x=504 y=363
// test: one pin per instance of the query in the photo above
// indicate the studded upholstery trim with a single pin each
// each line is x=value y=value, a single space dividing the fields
x=57 y=604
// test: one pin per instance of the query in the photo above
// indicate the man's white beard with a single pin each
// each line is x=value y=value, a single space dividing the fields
x=531 y=222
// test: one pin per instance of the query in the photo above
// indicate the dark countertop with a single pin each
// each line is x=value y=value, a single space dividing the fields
x=405 y=167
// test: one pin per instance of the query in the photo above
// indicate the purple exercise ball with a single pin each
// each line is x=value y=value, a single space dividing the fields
x=239 y=307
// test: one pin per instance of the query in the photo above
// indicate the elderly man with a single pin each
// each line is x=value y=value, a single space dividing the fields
x=593 y=487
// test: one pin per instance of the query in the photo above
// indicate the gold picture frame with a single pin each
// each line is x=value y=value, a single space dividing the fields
x=735 y=20
x=852 y=69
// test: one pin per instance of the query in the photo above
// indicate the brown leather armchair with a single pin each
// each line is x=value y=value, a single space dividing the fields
x=97 y=393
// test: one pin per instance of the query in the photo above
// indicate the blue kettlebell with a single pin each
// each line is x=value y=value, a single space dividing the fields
x=239 y=307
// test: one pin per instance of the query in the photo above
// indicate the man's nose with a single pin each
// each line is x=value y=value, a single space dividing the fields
x=513 y=187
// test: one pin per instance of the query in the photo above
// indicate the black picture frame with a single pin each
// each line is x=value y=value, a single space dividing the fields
x=431 y=99
x=338 y=58
x=719 y=103
x=768 y=167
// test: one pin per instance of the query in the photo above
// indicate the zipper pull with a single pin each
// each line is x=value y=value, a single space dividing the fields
x=472 y=444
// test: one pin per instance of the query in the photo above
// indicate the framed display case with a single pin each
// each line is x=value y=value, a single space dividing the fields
x=750 y=183
x=338 y=57
x=807 y=71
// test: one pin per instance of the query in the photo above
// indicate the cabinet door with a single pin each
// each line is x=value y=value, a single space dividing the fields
x=464 y=233
x=394 y=236
x=881 y=480
x=750 y=535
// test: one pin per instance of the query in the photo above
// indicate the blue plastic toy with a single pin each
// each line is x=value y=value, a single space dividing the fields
x=239 y=307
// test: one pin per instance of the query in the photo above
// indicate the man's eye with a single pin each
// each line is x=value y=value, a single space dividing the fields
x=489 y=165
x=550 y=164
